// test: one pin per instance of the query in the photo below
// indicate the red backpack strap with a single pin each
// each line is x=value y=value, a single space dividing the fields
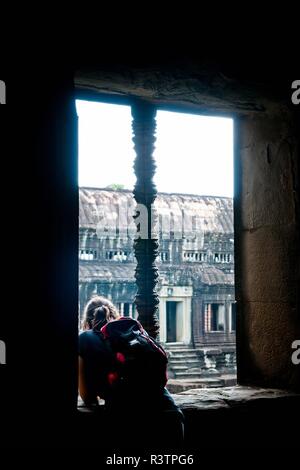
x=104 y=331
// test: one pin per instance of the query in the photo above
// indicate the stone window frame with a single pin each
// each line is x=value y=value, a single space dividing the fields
x=254 y=116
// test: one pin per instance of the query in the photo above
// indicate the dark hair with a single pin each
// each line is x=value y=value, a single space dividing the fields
x=101 y=317
x=98 y=311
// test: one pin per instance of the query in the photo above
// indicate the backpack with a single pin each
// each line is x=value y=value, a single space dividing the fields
x=140 y=363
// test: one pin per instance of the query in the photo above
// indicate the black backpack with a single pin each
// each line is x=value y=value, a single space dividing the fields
x=140 y=363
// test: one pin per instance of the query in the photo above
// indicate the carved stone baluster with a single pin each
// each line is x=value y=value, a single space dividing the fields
x=146 y=243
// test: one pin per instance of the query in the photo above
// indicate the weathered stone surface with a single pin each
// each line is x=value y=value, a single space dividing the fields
x=268 y=156
x=269 y=250
x=185 y=85
x=227 y=397
x=267 y=325
x=180 y=385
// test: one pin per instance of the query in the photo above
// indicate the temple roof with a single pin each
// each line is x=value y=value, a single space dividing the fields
x=90 y=271
x=214 y=213
x=198 y=273
x=94 y=271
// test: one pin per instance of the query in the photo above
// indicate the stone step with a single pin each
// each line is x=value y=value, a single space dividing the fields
x=187 y=365
x=180 y=385
x=183 y=353
x=175 y=368
x=181 y=350
x=194 y=365
x=184 y=356
x=184 y=360
x=177 y=350
x=187 y=374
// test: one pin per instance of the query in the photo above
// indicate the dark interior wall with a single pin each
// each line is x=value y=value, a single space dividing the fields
x=41 y=215
x=267 y=247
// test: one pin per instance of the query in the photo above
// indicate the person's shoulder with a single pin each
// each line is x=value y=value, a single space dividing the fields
x=89 y=341
x=85 y=333
x=89 y=335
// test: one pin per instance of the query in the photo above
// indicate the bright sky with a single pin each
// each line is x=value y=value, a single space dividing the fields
x=194 y=154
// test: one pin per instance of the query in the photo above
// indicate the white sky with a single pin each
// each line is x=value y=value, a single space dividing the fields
x=194 y=154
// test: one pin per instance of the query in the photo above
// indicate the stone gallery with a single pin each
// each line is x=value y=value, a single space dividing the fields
x=195 y=262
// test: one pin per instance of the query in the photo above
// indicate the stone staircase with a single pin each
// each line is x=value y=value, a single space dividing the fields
x=184 y=361
x=206 y=367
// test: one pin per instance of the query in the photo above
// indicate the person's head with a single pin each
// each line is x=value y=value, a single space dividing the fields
x=98 y=311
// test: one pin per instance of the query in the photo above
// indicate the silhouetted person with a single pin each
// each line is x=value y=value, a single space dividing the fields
x=137 y=412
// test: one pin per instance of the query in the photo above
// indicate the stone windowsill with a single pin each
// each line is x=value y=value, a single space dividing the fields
x=203 y=399
x=228 y=397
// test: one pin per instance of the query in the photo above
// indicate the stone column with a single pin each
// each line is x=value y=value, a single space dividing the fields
x=146 y=242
